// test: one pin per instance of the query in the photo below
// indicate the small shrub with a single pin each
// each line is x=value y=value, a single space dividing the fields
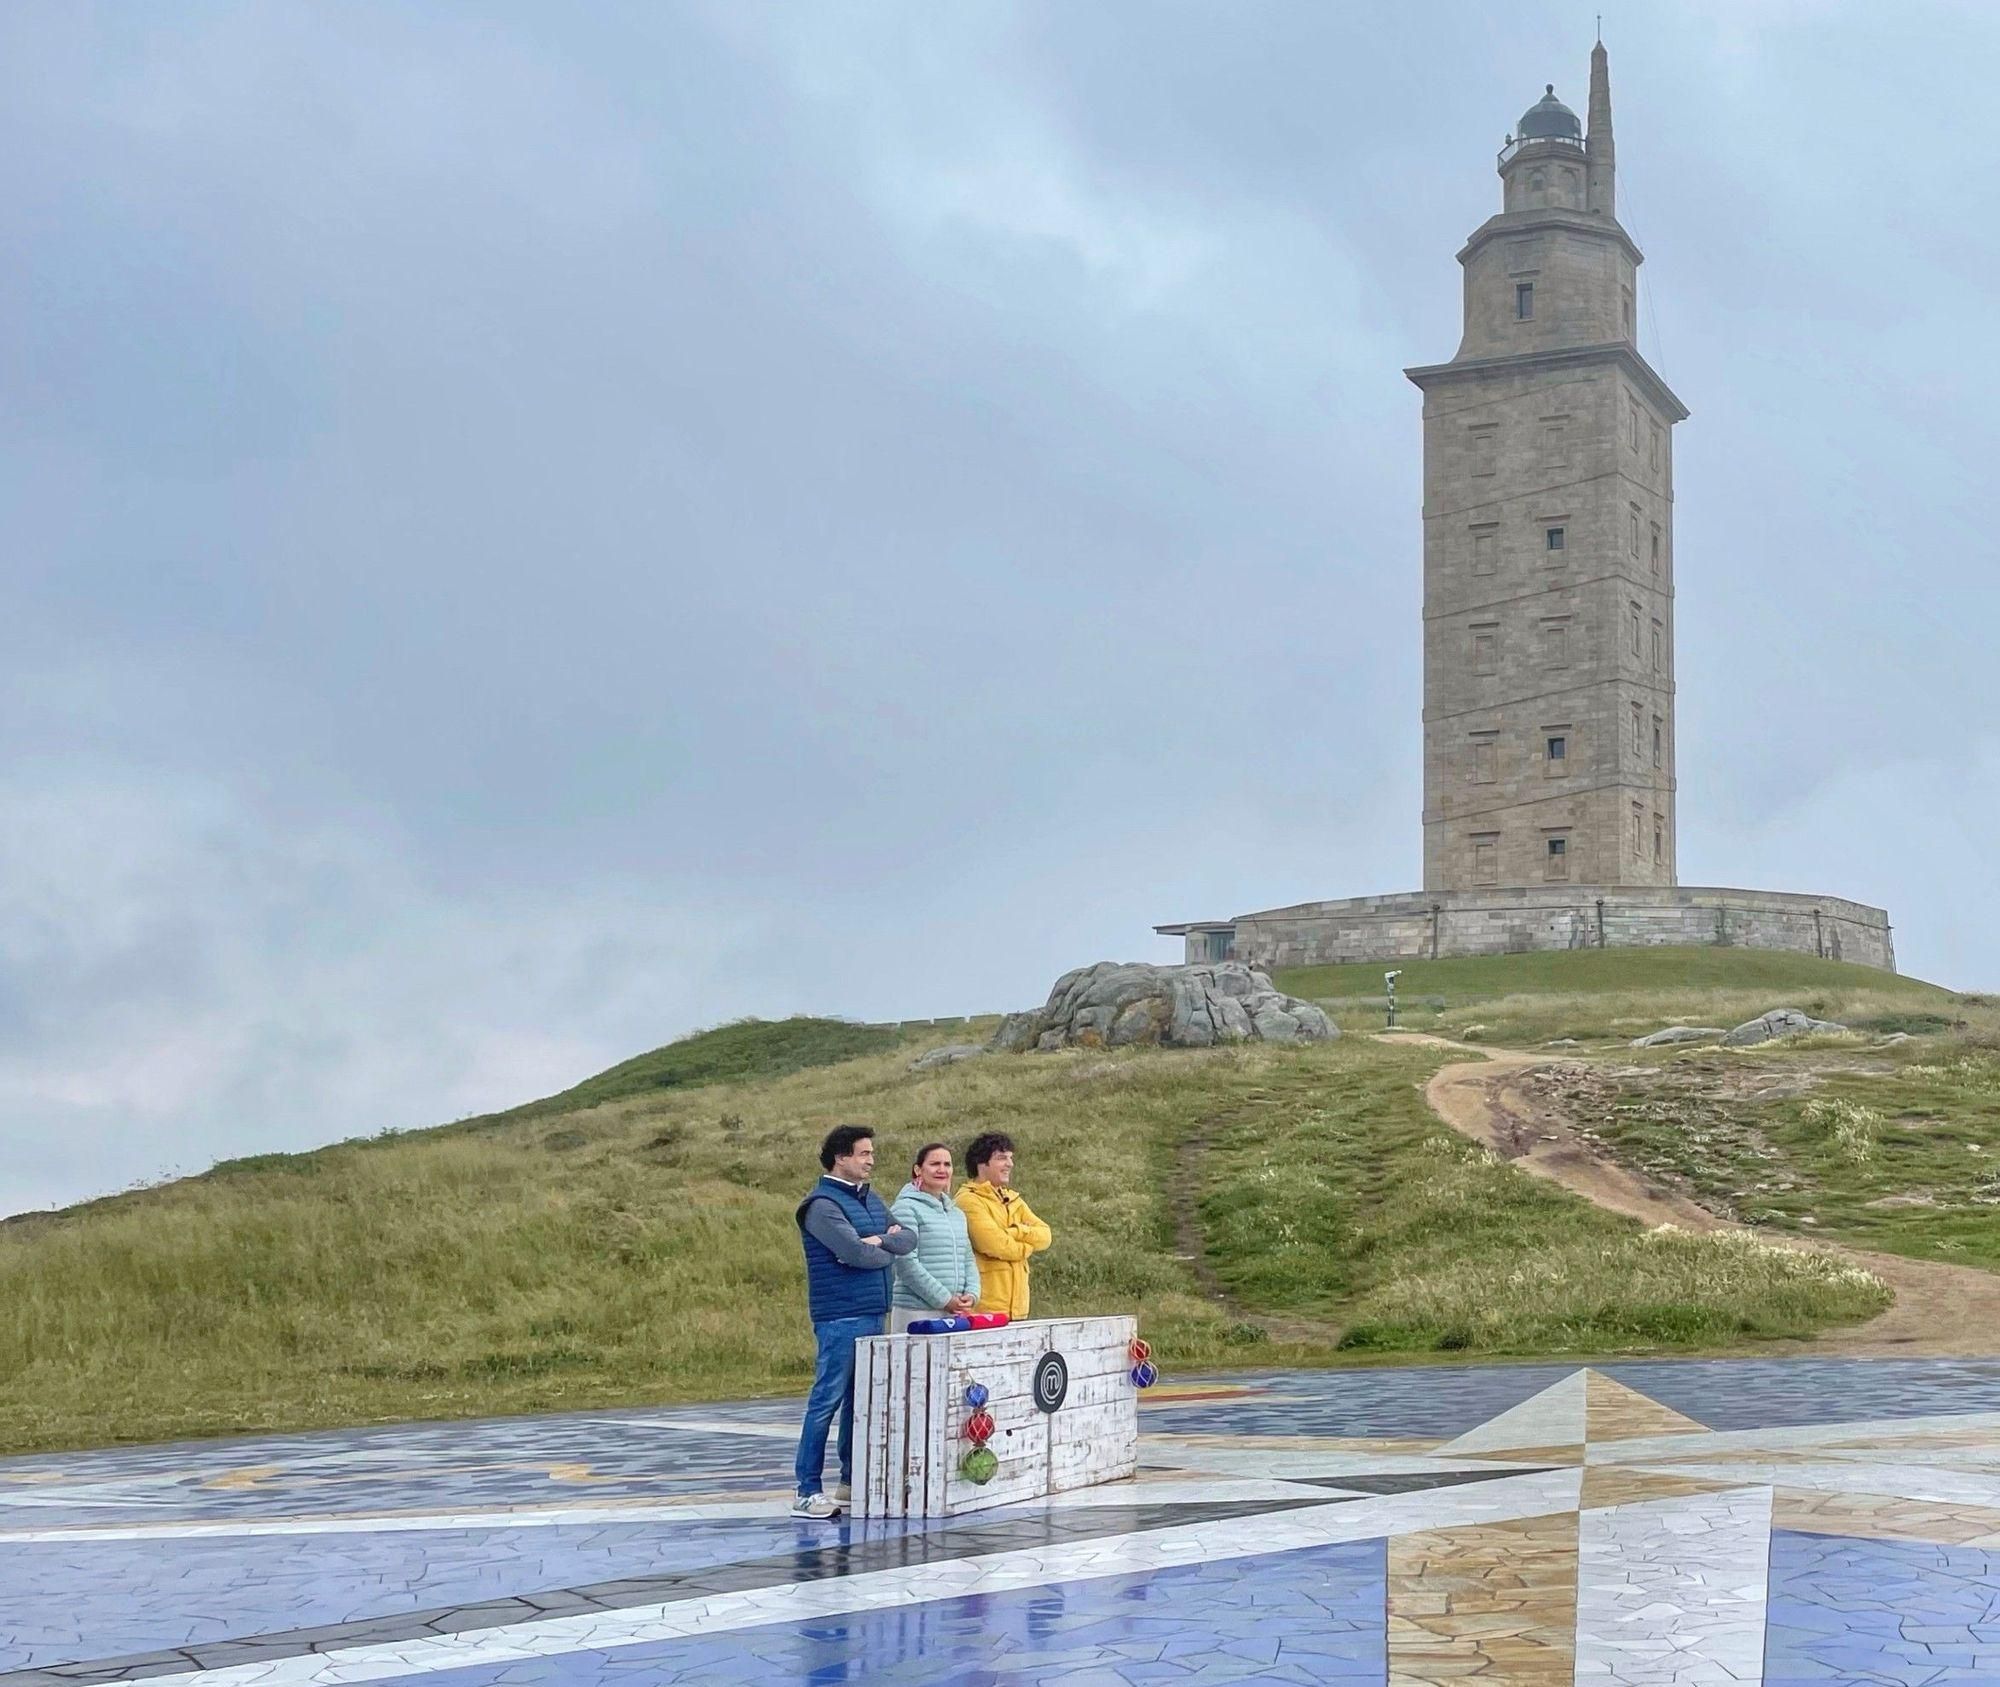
x=1912 y=1024
x=1851 y=1126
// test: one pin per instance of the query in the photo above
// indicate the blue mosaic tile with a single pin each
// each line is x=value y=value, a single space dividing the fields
x=1445 y=1400
x=110 y=1598
x=1316 y=1615
x=431 y=1467
x=1909 y=1613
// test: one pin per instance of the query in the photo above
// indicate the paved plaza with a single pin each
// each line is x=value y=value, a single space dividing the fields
x=1711 y=1522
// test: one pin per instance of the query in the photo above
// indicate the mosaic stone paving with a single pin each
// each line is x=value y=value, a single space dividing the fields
x=1700 y=1522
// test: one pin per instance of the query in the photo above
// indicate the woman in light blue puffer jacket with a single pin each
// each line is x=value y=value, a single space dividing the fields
x=939 y=1276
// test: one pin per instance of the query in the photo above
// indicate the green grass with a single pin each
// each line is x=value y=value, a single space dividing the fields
x=1613 y=995
x=642 y=1248
x=747 y=1048
x=1896 y=1149
x=1350 y=1201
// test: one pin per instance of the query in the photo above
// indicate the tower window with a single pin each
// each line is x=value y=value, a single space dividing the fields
x=1484 y=545
x=1659 y=647
x=1555 y=644
x=1557 y=860
x=1634 y=512
x=1625 y=305
x=1659 y=840
x=1486 y=858
x=1524 y=301
x=1555 y=442
x=1658 y=741
x=1485 y=757
x=1485 y=649
x=1553 y=538
x=1485 y=448
x=1638 y=822
x=1635 y=629
x=1632 y=416
x=1637 y=744
x=1656 y=547
x=1653 y=452
x=1557 y=746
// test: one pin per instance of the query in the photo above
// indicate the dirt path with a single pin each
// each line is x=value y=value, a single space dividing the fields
x=1940 y=1310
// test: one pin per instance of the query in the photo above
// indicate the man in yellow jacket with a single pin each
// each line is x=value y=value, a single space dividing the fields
x=1004 y=1231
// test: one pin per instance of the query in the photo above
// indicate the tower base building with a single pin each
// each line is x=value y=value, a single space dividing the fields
x=1550 y=792
x=1427 y=926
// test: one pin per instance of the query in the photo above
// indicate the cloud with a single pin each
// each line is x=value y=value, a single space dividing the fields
x=530 y=531
x=187 y=978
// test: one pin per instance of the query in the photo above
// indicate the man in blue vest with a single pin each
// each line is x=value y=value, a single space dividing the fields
x=850 y=1243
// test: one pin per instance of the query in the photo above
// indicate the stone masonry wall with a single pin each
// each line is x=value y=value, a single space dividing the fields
x=1523 y=643
x=1419 y=925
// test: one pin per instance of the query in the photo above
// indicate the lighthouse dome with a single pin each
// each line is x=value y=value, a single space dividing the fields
x=1548 y=119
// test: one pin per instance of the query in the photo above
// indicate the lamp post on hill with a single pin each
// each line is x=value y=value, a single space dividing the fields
x=1389 y=978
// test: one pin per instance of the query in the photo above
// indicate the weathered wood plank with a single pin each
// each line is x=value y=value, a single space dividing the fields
x=876 y=1495
x=1067 y=1428
x=916 y=1417
x=939 y=1455
x=895 y=1493
x=1086 y=1332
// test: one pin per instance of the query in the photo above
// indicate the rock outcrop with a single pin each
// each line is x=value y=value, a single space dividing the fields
x=950 y=1055
x=1779 y=1022
x=1679 y=1034
x=1113 y=1004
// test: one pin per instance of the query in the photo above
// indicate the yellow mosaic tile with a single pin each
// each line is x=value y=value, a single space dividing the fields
x=1936 y=1440
x=1613 y=1412
x=1495 y=1600
x=1881 y=1517
x=1570 y=1454
x=1605 y=1485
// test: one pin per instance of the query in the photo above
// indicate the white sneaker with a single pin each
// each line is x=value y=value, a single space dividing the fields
x=842 y=1494
x=817 y=1506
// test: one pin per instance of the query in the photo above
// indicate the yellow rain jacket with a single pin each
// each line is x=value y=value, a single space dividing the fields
x=1004 y=1233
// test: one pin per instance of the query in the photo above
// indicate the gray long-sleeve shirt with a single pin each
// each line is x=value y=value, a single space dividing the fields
x=826 y=1223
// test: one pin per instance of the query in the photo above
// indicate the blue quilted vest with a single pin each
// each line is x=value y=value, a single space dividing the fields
x=834 y=1290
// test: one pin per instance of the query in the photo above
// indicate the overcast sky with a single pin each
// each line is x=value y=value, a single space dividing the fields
x=530 y=529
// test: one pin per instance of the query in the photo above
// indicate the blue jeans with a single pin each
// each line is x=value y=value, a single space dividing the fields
x=832 y=1391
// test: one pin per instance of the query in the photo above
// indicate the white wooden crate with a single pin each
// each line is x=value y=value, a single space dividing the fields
x=910 y=1411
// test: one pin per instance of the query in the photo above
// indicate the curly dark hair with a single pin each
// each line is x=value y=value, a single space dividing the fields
x=841 y=1140
x=983 y=1147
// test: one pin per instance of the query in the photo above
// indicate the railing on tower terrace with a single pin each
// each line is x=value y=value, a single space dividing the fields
x=1567 y=143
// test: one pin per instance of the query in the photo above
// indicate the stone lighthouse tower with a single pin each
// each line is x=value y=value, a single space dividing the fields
x=1548 y=539
x=1549 y=808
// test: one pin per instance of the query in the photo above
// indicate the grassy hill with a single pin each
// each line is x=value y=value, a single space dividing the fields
x=1616 y=994
x=632 y=1239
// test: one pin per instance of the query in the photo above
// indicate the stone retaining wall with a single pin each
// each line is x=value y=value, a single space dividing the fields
x=1418 y=925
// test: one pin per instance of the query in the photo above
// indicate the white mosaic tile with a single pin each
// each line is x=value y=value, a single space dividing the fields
x=1893 y=1481
x=514 y=1517
x=1282 y=1463
x=1552 y=1418
x=1671 y=1593
x=1792 y=1438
